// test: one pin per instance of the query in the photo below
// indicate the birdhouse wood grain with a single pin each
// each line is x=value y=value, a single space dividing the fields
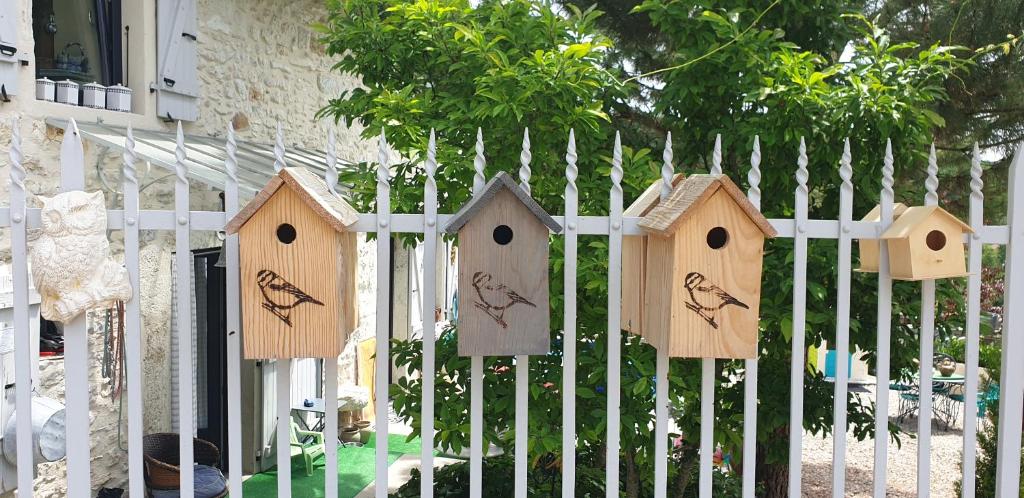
x=298 y=268
x=703 y=279
x=634 y=260
x=869 y=247
x=503 y=272
x=926 y=242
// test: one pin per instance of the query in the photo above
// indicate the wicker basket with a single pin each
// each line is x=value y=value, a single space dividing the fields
x=161 y=456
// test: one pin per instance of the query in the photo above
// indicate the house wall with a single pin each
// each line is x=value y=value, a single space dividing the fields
x=259 y=63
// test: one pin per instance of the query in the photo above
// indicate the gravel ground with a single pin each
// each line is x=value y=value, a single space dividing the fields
x=946 y=446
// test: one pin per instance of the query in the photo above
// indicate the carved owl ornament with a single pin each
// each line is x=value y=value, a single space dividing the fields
x=71 y=264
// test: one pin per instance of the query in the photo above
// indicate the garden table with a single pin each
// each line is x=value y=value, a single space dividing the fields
x=318 y=410
x=946 y=407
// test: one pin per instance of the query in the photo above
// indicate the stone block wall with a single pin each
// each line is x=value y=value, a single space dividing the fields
x=259 y=64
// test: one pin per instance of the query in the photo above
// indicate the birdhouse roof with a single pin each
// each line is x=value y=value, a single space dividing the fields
x=649 y=199
x=500 y=181
x=915 y=216
x=688 y=196
x=876 y=212
x=311 y=189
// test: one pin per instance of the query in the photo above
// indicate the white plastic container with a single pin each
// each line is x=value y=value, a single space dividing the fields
x=46 y=89
x=119 y=98
x=94 y=95
x=67 y=92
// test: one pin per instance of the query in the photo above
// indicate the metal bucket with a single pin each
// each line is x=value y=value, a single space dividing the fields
x=48 y=436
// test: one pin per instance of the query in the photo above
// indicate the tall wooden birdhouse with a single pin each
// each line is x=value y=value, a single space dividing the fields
x=703 y=284
x=298 y=268
x=926 y=242
x=503 y=272
x=869 y=247
x=634 y=261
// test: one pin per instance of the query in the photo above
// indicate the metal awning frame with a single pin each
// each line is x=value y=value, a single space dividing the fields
x=205 y=155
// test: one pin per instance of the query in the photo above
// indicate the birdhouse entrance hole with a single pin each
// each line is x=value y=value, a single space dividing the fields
x=286 y=233
x=717 y=237
x=502 y=234
x=935 y=240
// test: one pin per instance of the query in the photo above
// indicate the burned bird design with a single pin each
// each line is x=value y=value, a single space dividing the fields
x=280 y=297
x=495 y=299
x=707 y=299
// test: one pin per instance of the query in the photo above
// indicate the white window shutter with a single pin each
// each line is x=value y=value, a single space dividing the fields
x=9 y=11
x=177 y=82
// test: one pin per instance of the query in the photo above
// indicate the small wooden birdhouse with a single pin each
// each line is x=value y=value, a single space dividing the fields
x=869 y=247
x=703 y=284
x=298 y=268
x=503 y=272
x=926 y=242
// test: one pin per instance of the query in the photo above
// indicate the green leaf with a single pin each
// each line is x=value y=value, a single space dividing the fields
x=934 y=117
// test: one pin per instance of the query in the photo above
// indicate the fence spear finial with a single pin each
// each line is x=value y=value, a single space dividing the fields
x=231 y=148
x=977 y=185
x=716 y=156
x=887 y=173
x=801 y=169
x=128 y=157
x=180 y=169
x=754 y=175
x=17 y=172
x=616 y=172
x=846 y=168
x=479 y=180
x=571 y=171
x=666 y=167
x=383 y=175
x=279 y=163
x=524 y=162
x=331 y=173
x=431 y=164
x=931 y=184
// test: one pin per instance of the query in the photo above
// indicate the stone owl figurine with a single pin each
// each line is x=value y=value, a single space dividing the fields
x=71 y=263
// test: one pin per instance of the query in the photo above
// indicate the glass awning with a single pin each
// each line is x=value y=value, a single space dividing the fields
x=205 y=155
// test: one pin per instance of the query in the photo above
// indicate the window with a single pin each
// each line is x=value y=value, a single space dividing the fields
x=78 y=40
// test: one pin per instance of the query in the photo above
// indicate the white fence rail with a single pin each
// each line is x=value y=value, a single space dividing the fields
x=182 y=221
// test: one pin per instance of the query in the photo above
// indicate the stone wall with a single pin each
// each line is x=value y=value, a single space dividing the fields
x=259 y=64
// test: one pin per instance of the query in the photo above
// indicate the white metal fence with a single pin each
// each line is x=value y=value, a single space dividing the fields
x=131 y=219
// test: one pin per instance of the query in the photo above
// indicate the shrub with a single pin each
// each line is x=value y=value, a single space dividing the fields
x=498 y=476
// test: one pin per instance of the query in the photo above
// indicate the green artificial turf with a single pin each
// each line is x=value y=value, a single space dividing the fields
x=356 y=468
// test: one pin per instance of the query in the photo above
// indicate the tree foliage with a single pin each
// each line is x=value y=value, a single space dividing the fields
x=726 y=67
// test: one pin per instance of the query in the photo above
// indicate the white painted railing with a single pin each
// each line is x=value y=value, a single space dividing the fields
x=182 y=221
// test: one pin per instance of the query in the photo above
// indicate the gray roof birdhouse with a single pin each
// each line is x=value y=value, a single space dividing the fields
x=503 y=272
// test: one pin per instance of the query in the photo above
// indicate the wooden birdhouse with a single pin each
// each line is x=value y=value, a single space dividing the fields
x=926 y=242
x=634 y=261
x=503 y=272
x=703 y=285
x=869 y=247
x=298 y=268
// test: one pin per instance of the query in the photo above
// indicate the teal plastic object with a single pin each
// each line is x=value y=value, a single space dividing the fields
x=830 y=364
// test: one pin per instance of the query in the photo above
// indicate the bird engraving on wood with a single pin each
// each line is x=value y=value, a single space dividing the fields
x=707 y=299
x=494 y=298
x=280 y=297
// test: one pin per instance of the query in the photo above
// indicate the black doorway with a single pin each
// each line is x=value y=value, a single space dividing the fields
x=211 y=351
